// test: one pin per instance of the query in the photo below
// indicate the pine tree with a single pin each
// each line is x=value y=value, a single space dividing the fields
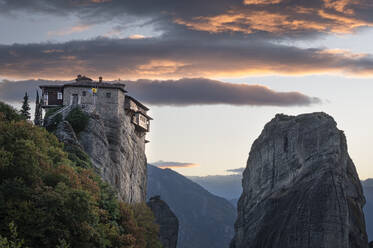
x=25 y=111
x=38 y=110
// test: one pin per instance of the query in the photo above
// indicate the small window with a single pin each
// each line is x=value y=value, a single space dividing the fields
x=108 y=94
x=84 y=93
x=59 y=96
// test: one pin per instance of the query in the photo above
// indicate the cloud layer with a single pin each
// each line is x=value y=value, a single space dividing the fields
x=237 y=171
x=229 y=38
x=183 y=92
x=166 y=164
x=165 y=57
x=279 y=17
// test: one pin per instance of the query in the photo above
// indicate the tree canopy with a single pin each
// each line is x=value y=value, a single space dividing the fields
x=52 y=202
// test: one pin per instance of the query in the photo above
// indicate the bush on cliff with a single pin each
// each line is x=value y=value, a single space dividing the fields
x=78 y=119
x=56 y=204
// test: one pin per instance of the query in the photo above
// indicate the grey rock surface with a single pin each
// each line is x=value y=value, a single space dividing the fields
x=115 y=148
x=300 y=188
x=167 y=221
x=65 y=133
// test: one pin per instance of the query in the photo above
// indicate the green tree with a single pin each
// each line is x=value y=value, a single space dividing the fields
x=78 y=119
x=25 y=111
x=8 y=113
x=55 y=202
x=13 y=241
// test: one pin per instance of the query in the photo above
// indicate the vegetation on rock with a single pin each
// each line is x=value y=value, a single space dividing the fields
x=78 y=119
x=55 y=203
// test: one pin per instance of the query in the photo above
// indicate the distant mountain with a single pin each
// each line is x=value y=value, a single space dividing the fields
x=368 y=208
x=234 y=202
x=228 y=187
x=205 y=220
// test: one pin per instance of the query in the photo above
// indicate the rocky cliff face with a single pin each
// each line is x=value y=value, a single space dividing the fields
x=300 y=188
x=167 y=221
x=115 y=148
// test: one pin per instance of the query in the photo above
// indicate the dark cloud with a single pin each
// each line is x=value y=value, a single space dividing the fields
x=13 y=91
x=278 y=17
x=166 y=164
x=198 y=39
x=237 y=171
x=200 y=91
x=165 y=57
x=183 y=92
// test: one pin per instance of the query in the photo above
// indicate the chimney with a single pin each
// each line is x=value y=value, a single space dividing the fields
x=100 y=79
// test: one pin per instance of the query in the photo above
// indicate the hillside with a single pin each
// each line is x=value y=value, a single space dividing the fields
x=47 y=199
x=205 y=220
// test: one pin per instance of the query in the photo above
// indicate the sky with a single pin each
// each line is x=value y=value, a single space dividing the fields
x=212 y=72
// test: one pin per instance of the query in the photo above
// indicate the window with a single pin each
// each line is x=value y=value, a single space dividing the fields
x=84 y=93
x=108 y=94
x=59 y=95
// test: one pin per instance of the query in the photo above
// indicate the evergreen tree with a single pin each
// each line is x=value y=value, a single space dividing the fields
x=25 y=111
x=38 y=110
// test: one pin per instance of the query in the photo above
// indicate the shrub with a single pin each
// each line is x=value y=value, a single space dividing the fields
x=8 y=113
x=13 y=241
x=53 y=123
x=78 y=119
x=78 y=156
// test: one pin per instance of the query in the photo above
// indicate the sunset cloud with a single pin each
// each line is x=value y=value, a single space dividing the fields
x=262 y=1
x=171 y=165
x=70 y=30
x=168 y=58
x=296 y=19
x=275 y=17
x=183 y=92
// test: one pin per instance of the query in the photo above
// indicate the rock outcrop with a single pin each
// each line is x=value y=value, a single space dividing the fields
x=116 y=149
x=300 y=188
x=167 y=221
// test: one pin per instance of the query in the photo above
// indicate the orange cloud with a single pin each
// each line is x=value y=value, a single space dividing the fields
x=70 y=30
x=170 y=165
x=341 y=5
x=136 y=36
x=336 y=18
x=159 y=67
x=248 y=2
x=154 y=58
x=344 y=53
